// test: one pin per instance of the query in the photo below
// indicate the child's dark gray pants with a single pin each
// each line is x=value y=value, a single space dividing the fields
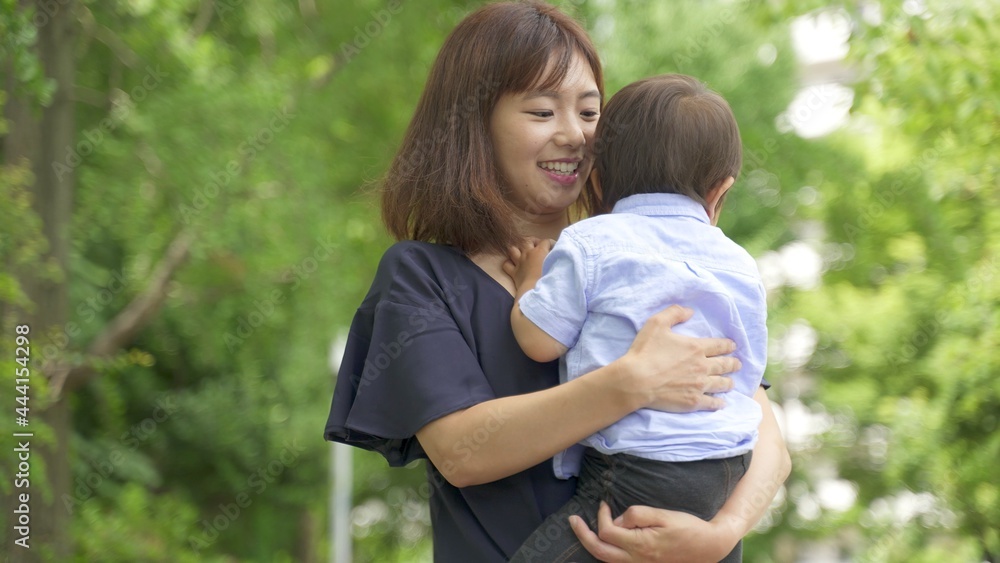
x=621 y=480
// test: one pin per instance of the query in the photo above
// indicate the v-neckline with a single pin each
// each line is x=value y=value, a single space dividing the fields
x=483 y=272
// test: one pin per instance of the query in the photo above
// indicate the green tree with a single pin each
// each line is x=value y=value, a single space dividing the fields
x=190 y=240
x=906 y=366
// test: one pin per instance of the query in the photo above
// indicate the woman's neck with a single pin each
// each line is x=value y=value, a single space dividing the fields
x=542 y=226
x=537 y=226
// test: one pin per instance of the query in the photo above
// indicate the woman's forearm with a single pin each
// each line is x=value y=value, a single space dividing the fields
x=498 y=438
x=768 y=470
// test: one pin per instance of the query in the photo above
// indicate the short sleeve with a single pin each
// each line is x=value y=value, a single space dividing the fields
x=404 y=366
x=558 y=302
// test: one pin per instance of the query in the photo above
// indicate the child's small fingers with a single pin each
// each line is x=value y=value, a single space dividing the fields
x=542 y=250
x=509 y=268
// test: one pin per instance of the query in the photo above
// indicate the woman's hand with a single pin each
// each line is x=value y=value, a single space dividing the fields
x=672 y=372
x=644 y=534
x=662 y=370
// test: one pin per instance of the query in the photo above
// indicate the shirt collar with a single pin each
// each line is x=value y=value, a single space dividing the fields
x=659 y=205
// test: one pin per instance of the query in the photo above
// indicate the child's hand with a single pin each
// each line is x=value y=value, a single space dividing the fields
x=524 y=262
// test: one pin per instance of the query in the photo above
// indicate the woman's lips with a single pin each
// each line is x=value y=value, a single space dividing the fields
x=562 y=179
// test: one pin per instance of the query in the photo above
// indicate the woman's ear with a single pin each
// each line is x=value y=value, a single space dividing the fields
x=713 y=199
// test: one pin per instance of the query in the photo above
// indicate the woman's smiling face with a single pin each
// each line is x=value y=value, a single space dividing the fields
x=540 y=138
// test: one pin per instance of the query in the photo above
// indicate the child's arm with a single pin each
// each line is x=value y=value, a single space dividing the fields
x=524 y=266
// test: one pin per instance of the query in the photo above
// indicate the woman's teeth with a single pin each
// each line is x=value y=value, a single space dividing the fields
x=560 y=167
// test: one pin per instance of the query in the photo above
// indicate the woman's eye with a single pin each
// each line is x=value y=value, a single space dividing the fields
x=590 y=114
x=541 y=113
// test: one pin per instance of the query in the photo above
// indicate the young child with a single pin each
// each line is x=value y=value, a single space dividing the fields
x=667 y=151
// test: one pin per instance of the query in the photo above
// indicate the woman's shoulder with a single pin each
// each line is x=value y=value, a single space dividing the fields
x=415 y=272
x=416 y=248
x=417 y=256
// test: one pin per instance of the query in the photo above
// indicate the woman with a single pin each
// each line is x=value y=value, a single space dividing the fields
x=497 y=151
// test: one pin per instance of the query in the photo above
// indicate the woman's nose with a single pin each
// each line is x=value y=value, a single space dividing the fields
x=570 y=134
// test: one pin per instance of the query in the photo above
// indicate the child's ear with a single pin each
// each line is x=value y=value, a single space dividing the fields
x=714 y=197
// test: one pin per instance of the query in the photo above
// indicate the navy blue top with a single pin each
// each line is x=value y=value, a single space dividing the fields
x=432 y=337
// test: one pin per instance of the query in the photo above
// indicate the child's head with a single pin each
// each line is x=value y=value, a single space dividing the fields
x=666 y=134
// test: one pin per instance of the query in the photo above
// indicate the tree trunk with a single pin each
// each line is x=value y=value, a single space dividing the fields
x=44 y=136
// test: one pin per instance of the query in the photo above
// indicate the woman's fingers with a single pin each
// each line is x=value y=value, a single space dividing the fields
x=717 y=346
x=709 y=403
x=719 y=384
x=639 y=516
x=598 y=545
x=670 y=316
x=678 y=373
x=721 y=365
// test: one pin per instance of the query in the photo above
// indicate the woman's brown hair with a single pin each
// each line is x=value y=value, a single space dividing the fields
x=443 y=185
x=664 y=134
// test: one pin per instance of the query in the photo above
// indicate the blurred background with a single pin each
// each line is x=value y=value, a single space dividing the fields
x=187 y=226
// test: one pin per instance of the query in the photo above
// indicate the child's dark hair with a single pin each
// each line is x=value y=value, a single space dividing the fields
x=664 y=134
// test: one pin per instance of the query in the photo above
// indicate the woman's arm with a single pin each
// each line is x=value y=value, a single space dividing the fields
x=663 y=370
x=768 y=470
x=649 y=534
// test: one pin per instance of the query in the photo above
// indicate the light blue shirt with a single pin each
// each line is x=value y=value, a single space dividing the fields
x=608 y=274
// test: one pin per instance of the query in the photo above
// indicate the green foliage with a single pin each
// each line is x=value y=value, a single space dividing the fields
x=909 y=359
x=139 y=526
x=18 y=28
x=21 y=240
x=259 y=128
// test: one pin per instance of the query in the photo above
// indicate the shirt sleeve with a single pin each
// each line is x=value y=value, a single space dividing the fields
x=558 y=302
x=404 y=366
